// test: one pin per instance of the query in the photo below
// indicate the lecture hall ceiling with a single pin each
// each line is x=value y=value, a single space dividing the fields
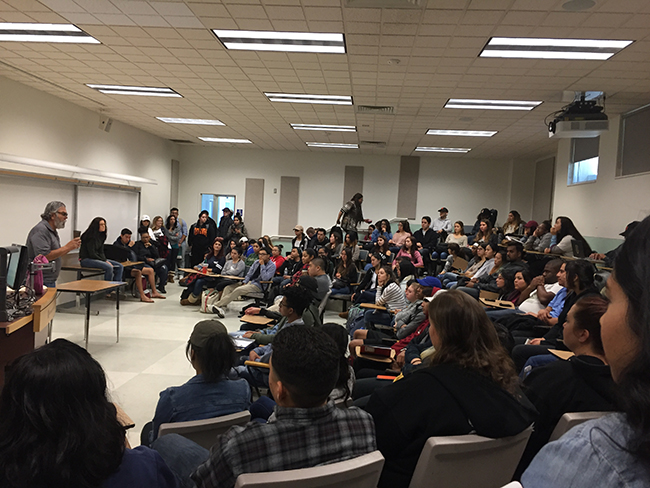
x=413 y=59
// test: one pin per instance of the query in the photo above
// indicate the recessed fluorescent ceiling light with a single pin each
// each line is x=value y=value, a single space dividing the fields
x=303 y=42
x=24 y=32
x=302 y=98
x=333 y=144
x=490 y=104
x=224 y=139
x=466 y=133
x=171 y=120
x=518 y=47
x=144 y=91
x=333 y=128
x=443 y=149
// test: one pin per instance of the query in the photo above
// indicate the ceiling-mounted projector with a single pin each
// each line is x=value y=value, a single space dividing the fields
x=582 y=118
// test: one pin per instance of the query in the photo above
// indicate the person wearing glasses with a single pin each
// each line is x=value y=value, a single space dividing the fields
x=44 y=240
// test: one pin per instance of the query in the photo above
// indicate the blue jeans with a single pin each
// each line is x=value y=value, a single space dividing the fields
x=112 y=269
x=446 y=278
x=377 y=317
x=182 y=456
x=340 y=291
x=435 y=255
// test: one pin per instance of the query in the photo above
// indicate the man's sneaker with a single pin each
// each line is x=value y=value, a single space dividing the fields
x=220 y=312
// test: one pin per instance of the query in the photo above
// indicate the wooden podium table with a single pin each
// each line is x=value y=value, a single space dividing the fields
x=26 y=333
x=88 y=288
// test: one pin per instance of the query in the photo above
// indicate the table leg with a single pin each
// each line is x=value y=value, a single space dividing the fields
x=49 y=331
x=87 y=324
x=117 y=312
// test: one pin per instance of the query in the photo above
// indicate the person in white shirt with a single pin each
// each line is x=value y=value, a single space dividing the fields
x=442 y=223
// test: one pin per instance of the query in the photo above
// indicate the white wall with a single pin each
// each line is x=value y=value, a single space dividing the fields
x=37 y=125
x=462 y=185
x=602 y=208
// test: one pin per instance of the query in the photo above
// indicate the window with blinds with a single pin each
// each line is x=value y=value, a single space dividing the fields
x=583 y=167
x=634 y=143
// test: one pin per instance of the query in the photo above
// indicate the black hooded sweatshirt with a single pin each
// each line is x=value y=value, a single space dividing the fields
x=581 y=384
x=442 y=400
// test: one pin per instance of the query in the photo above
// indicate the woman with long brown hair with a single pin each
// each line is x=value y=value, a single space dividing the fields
x=468 y=385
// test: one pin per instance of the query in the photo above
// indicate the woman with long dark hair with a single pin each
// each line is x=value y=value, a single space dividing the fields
x=468 y=385
x=173 y=233
x=352 y=241
x=352 y=214
x=613 y=451
x=214 y=391
x=201 y=236
x=409 y=250
x=57 y=427
x=345 y=274
x=345 y=383
x=512 y=224
x=91 y=254
x=485 y=234
x=565 y=231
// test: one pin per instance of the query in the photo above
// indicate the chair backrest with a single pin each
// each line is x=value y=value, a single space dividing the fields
x=205 y=432
x=360 y=472
x=469 y=461
x=570 y=420
x=323 y=304
x=363 y=255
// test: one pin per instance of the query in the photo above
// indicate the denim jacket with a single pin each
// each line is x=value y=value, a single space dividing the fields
x=198 y=400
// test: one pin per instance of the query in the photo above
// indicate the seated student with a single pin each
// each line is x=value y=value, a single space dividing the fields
x=288 y=268
x=487 y=281
x=276 y=257
x=537 y=295
x=387 y=294
x=252 y=253
x=613 y=451
x=563 y=232
x=489 y=256
x=124 y=242
x=512 y=283
x=579 y=281
x=319 y=240
x=352 y=241
x=404 y=273
x=345 y=274
x=159 y=238
x=484 y=214
x=426 y=240
x=368 y=236
x=382 y=248
x=307 y=256
x=404 y=322
x=610 y=256
x=515 y=255
x=317 y=271
x=58 y=428
x=382 y=229
x=453 y=251
x=214 y=391
x=442 y=225
x=529 y=229
x=300 y=241
x=261 y=270
x=217 y=265
x=305 y=431
x=365 y=292
x=458 y=237
x=540 y=239
x=581 y=384
x=512 y=224
x=311 y=232
x=468 y=385
x=147 y=252
x=335 y=245
x=403 y=231
x=410 y=252
x=292 y=307
x=91 y=253
x=485 y=234
x=324 y=254
x=476 y=263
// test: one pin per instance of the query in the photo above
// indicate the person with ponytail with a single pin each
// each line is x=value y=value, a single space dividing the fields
x=215 y=390
x=614 y=450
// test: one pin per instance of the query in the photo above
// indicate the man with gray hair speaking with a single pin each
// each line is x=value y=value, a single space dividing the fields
x=44 y=239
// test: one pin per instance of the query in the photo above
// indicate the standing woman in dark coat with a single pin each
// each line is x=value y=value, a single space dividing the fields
x=91 y=254
x=224 y=223
x=468 y=385
x=352 y=214
x=201 y=235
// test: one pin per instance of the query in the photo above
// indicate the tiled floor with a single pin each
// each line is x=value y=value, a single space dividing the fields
x=151 y=353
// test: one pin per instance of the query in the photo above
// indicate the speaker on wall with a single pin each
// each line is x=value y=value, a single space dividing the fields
x=105 y=123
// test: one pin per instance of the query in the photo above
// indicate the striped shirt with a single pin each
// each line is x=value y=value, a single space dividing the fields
x=392 y=297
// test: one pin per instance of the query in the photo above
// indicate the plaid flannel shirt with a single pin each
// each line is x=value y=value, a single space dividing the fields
x=293 y=438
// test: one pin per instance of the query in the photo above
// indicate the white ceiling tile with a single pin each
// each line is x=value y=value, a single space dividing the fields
x=184 y=22
x=149 y=20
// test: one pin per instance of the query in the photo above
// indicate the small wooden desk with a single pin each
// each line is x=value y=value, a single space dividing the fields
x=18 y=338
x=89 y=288
x=256 y=319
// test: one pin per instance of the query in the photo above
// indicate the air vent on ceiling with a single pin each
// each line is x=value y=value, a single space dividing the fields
x=182 y=141
x=375 y=109
x=386 y=3
x=372 y=143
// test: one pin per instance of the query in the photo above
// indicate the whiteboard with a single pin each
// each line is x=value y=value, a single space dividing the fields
x=118 y=207
x=22 y=201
